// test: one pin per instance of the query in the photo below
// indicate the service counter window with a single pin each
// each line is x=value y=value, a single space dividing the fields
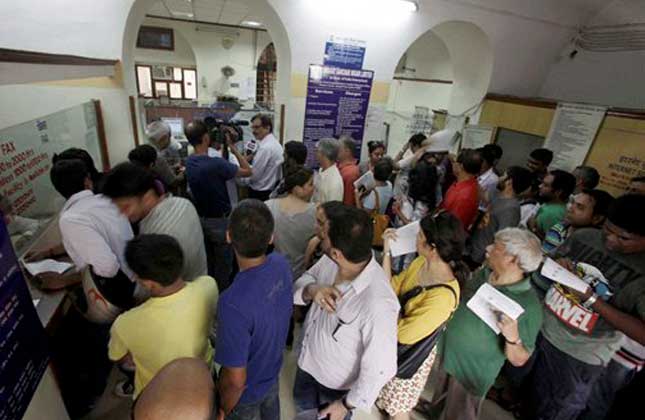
x=156 y=81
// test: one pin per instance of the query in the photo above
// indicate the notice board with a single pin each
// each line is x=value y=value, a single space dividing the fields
x=26 y=152
x=23 y=343
x=337 y=102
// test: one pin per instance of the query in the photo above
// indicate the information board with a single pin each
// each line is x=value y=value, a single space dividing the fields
x=23 y=343
x=345 y=53
x=476 y=136
x=337 y=101
x=572 y=132
x=26 y=152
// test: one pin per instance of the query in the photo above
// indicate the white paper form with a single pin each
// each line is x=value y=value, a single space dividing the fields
x=488 y=301
x=367 y=181
x=406 y=240
x=47 y=265
x=554 y=271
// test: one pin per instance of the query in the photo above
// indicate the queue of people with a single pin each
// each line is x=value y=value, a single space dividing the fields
x=375 y=329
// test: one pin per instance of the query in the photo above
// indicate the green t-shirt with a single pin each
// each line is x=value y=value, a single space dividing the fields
x=471 y=352
x=580 y=332
x=550 y=214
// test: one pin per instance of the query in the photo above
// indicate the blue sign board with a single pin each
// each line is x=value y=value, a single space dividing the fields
x=337 y=101
x=23 y=343
x=345 y=55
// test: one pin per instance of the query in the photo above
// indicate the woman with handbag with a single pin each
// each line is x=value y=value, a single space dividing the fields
x=376 y=200
x=428 y=291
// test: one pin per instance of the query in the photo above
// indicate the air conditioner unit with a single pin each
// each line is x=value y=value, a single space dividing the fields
x=162 y=72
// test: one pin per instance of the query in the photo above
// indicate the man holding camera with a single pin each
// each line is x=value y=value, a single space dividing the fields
x=207 y=176
x=267 y=159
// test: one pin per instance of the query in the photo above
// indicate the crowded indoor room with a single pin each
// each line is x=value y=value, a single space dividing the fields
x=322 y=210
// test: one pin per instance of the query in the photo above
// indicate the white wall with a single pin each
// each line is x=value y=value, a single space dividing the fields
x=608 y=78
x=210 y=56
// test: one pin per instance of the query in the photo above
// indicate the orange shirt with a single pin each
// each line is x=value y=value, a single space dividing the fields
x=350 y=173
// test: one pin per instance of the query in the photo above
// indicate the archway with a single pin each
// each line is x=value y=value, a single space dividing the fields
x=447 y=68
x=261 y=8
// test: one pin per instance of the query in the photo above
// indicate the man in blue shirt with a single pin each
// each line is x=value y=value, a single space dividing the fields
x=207 y=176
x=253 y=317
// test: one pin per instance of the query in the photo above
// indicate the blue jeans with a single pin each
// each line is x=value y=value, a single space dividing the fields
x=266 y=409
x=561 y=384
x=308 y=394
x=613 y=379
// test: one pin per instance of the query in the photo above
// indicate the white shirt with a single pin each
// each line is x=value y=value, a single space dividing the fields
x=267 y=165
x=361 y=354
x=487 y=184
x=95 y=233
x=329 y=185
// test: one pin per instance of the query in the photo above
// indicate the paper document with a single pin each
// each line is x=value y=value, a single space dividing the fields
x=488 y=301
x=554 y=271
x=406 y=240
x=367 y=181
x=48 y=265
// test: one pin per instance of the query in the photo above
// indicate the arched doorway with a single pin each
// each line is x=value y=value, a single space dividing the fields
x=259 y=11
x=439 y=81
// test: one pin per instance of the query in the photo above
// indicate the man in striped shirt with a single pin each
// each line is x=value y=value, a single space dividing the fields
x=585 y=209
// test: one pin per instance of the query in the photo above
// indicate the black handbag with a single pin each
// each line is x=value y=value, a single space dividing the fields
x=410 y=357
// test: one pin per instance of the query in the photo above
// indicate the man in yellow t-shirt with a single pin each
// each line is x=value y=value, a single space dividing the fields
x=175 y=321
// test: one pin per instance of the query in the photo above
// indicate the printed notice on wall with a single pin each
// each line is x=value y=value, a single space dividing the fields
x=572 y=132
x=346 y=53
x=476 y=136
x=337 y=101
x=23 y=343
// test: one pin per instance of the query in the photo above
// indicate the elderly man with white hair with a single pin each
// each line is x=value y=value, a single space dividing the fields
x=471 y=353
x=329 y=182
x=158 y=133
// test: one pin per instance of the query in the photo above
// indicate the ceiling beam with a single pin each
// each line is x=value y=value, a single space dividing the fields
x=202 y=22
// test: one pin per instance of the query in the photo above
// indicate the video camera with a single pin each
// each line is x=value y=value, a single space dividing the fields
x=216 y=129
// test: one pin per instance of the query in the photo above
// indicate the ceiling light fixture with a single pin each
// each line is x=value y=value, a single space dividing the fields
x=186 y=14
x=251 y=23
x=409 y=5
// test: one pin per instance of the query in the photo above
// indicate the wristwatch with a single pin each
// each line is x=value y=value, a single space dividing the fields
x=589 y=302
x=514 y=343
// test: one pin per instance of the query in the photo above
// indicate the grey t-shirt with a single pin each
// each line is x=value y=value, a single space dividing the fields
x=177 y=217
x=582 y=333
x=292 y=234
x=502 y=213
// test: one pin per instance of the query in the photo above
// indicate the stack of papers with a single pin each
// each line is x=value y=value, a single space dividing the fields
x=554 y=271
x=48 y=265
x=406 y=240
x=367 y=181
x=488 y=302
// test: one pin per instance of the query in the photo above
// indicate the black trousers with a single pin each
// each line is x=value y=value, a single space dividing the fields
x=259 y=195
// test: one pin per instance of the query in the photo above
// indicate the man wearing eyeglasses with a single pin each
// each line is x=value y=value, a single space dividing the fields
x=350 y=334
x=266 y=161
x=582 y=331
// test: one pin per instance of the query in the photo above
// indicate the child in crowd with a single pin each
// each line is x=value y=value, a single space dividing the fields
x=174 y=322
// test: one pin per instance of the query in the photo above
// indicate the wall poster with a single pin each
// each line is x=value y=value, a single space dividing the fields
x=23 y=343
x=572 y=132
x=337 y=102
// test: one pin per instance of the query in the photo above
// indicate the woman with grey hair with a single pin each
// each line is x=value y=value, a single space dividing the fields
x=329 y=182
x=471 y=353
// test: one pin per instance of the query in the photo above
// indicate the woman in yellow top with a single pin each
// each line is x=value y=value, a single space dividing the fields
x=440 y=245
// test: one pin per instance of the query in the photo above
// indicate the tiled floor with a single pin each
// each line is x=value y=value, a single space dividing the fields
x=114 y=408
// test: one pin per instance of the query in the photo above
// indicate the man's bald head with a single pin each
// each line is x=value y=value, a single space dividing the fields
x=182 y=390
